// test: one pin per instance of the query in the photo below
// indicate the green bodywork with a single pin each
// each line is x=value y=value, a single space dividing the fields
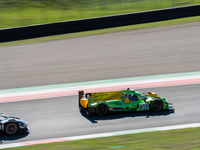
x=125 y=100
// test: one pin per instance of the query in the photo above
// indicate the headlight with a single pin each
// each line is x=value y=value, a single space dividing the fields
x=22 y=125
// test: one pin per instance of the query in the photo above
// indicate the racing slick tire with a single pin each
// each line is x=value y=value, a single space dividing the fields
x=156 y=105
x=102 y=109
x=11 y=128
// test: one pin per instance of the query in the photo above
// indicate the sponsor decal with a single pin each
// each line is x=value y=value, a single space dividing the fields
x=118 y=103
x=99 y=95
x=118 y=110
x=123 y=98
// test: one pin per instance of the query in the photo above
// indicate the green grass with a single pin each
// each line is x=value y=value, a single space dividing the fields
x=15 y=13
x=184 y=139
x=103 y=31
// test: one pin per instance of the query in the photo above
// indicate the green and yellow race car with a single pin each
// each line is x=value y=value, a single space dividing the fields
x=124 y=100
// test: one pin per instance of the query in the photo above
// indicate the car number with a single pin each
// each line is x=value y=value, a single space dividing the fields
x=144 y=106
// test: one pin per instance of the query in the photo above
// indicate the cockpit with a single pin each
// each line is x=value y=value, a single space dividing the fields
x=132 y=97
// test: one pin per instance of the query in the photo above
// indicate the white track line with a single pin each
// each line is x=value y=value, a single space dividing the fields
x=72 y=138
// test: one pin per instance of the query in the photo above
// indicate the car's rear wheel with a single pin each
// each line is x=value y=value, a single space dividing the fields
x=102 y=109
x=156 y=105
x=11 y=128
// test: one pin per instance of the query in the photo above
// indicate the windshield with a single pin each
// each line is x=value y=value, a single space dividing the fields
x=143 y=97
x=2 y=117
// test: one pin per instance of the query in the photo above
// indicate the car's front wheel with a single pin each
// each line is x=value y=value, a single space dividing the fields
x=156 y=105
x=102 y=109
x=11 y=128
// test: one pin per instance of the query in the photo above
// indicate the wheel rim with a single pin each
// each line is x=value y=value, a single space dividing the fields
x=102 y=109
x=156 y=105
x=11 y=129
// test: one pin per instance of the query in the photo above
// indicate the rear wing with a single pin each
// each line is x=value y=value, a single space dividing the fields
x=80 y=95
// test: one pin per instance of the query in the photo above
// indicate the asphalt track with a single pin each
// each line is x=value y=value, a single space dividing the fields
x=60 y=117
x=123 y=54
x=117 y=55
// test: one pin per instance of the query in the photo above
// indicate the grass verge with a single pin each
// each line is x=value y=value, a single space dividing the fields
x=184 y=139
x=109 y=30
x=21 y=13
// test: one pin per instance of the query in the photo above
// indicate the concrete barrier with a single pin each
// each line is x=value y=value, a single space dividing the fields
x=27 y=32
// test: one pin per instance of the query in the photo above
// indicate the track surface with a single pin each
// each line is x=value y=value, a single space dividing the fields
x=132 y=53
x=59 y=117
x=118 y=55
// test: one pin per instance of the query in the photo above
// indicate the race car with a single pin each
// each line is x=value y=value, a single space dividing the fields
x=11 y=125
x=102 y=103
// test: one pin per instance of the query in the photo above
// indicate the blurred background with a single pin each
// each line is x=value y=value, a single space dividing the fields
x=15 y=13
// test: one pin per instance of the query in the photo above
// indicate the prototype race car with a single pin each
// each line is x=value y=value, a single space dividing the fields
x=124 y=100
x=11 y=125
